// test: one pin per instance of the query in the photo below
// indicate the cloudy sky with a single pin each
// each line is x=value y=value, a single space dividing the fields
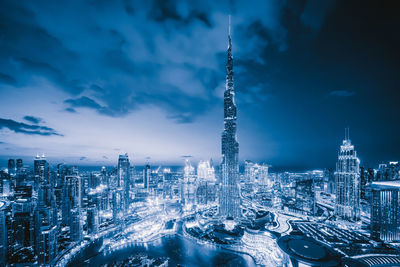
x=85 y=80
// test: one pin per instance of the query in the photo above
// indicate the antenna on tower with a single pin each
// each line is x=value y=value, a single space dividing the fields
x=229 y=28
x=347 y=133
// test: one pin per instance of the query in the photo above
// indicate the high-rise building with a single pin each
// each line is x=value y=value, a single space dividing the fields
x=23 y=217
x=72 y=206
x=363 y=182
x=389 y=171
x=11 y=166
x=385 y=210
x=146 y=176
x=229 y=199
x=20 y=164
x=92 y=220
x=205 y=172
x=124 y=178
x=256 y=173
x=3 y=231
x=347 y=179
x=188 y=187
x=40 y=170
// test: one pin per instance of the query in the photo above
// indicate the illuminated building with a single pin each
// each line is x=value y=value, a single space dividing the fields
x=46 y=244
x=205 y=172
x=347 y=178
x=20 y=165
x=23 y=223
x=72 y=207
x=92 y=220
x=40 y=170
x=11 y=166
x=206 y=191
x=229 y=199
x=188 y=185
x=3 y=230
x=329 y=181
x=305 y=196
x=46 y=224
x=146 y=176
x=256 y=173
x=124 y=178
x=389 y=171
x=385 y=210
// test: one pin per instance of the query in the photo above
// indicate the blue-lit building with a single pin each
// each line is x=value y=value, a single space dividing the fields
x=124 y=178
x=229 y=199
x=385 y=210
x=347 y=180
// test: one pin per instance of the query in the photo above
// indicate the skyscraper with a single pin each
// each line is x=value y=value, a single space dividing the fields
x=146 y=176
x=11 y=166
x=347 y=179
x=124 y=177
x=40 y=170
x=229 y=199
x=205 y=172
x=385 y=210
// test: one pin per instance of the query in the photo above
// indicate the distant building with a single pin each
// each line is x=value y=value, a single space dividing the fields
x=305 y=196
x=11 y=166
x=23 y=217
x=256 y=173
x=385 y=210
x=92 y=220
x=347 y=180
x=146 y=176
x=363 y=182
x=388 y=172
x=206 y=191
x=124 y=178
x=40 y=170
x=3 y=231
x=72 y=207
x=188 y=187
x=20 y=165
x=205 y=172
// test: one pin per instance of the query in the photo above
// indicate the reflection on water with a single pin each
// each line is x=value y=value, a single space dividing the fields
x=180 y=251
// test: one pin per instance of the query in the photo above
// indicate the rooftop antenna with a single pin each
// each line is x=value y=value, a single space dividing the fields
x=229 y=28
x=347 y=133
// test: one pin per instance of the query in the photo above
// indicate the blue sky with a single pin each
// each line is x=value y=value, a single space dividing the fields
x=83 y=81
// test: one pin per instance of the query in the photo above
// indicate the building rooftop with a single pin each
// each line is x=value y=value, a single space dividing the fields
x=309 y=251
x=386 y=184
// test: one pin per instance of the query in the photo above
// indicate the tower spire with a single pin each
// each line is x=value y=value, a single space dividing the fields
x=229 y=28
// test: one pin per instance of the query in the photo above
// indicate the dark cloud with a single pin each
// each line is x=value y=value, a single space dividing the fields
x=71 y=110
x=27 y=48
x=82 y=158
x=20 y=127
x=343 y=93
x=32 y=119
x=117 y=57
x=86 y=102
x=7 y=79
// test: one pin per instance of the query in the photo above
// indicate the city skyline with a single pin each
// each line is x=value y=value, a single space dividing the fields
x=129 y=136
x=106 y=86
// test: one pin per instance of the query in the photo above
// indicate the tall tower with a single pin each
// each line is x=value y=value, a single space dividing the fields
x=124 y=178
x=347 y=179
x=229 y=200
